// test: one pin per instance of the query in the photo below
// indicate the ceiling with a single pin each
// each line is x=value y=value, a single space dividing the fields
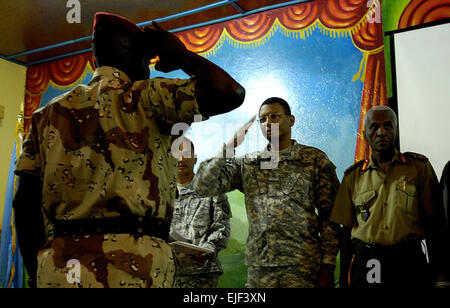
x=36 y=31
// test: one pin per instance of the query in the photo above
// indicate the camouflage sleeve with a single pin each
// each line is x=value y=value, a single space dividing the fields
x=171 y=100
x=217 y=175
x=30 y=160
x=326 y=189
x=219 y=231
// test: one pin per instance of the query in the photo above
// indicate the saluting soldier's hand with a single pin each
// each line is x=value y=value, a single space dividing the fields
x=167 y=46
x=239 y=136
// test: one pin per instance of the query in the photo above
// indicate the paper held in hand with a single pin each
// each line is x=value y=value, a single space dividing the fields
x=189 y=248
x=182 y=244
x=175 y=236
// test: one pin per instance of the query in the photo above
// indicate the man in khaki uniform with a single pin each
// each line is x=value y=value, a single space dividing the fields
x=97 y=159
x=387 y=205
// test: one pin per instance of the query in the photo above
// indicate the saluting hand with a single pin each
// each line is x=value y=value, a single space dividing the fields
x=239 y=136
x=167 y=46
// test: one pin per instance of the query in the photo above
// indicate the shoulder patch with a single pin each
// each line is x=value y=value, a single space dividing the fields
x=416 y=156
x=353 y=167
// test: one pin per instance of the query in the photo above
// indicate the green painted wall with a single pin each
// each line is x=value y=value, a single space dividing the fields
x=233 y=257
x=391 y=12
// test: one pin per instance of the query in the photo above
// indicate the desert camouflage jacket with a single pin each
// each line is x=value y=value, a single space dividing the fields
x=109 y=139
x=103 y=150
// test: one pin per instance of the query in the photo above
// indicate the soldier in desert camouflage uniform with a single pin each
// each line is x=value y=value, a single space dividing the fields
x=97 y=159
x=205 y=222
x=284 y=248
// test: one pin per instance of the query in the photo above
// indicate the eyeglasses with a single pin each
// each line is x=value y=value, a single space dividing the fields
x=273 y=118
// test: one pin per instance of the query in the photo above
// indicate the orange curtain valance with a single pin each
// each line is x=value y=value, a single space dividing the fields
x=341 y=17
x=424 y=11
x=62 y=72
x=335 y=15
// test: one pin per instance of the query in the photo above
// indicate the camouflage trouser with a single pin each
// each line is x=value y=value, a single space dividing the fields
x=295 y=276
x=197 y=281
x=106 y=261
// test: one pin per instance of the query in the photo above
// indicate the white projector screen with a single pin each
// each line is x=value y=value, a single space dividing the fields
x=422 y=59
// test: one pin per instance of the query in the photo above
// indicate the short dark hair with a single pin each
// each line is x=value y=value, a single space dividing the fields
x=277 y=100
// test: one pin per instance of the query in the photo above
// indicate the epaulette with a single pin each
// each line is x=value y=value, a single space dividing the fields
x=361 y=163
x=416 y=156
x=402 y=158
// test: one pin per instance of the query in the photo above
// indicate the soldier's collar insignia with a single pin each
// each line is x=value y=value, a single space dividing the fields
x=365 y=165
x=353 y=167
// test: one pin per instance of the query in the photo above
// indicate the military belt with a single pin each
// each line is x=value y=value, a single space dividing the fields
x=401 y=249
x=136 y=225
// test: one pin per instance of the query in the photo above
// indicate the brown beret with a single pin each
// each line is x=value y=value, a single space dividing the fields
x=103 y=19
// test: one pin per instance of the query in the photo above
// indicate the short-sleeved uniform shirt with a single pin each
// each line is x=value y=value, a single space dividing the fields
x=103 y=149
x=384 y=208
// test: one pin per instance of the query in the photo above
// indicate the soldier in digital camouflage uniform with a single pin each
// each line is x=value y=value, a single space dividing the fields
x=97 y=159
x=291 y=242
x=205 y=222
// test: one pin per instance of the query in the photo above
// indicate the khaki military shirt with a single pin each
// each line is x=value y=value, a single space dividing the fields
x=281 y=204
x=384 y=208
x=103 y=150
x=205 y=222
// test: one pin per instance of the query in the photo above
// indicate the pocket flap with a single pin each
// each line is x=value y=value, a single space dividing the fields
x=363 y=198
x=290 y=182
x=407 y=188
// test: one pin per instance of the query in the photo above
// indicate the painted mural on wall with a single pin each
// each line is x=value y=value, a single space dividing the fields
x=324 y=57
x=423 y=11
x=402 y=14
